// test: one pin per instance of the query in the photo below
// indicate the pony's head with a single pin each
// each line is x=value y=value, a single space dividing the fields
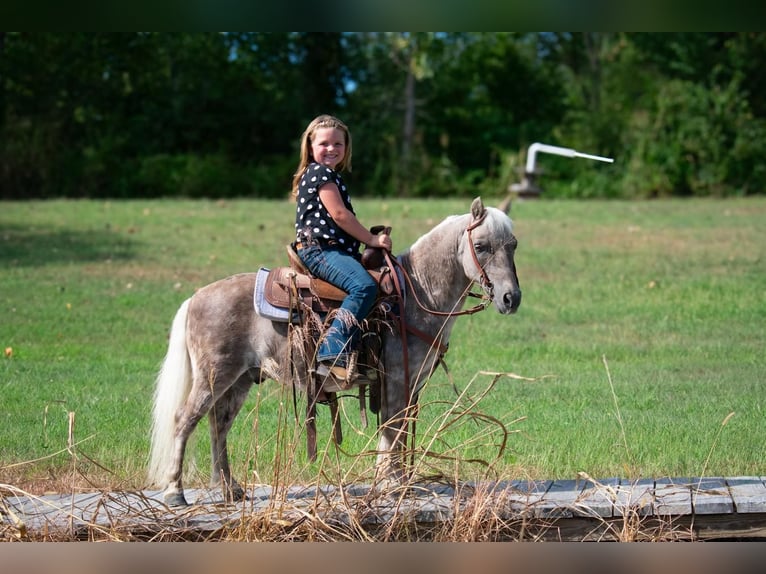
x=487 y=256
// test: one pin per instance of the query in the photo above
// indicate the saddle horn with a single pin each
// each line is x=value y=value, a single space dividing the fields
x=372 y=257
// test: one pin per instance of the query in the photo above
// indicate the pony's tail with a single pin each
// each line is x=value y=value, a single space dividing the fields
x=171 y=389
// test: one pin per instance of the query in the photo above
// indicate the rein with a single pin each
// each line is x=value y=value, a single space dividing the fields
x=486 y=298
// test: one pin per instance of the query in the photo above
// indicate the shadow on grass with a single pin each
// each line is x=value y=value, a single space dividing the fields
x=33 y=247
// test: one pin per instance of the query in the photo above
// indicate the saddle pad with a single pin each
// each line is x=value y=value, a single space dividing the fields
x=262 y=306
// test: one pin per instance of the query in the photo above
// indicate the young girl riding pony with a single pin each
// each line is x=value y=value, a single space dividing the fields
x=328 y=237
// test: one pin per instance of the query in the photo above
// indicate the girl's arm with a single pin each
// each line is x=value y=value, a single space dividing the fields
x=347 y=221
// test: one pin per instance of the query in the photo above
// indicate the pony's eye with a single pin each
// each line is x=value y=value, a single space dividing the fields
x=482 y=248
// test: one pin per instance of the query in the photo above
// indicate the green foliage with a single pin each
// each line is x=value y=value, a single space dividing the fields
x=432 y=114
x=213 y=177
x=493 y=95
x=692 y=133
x=698 y=142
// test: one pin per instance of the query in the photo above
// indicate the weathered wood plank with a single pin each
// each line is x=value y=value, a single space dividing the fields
x=672 y=497
x=748 y=493
x=654 y=528
x=710 y=495
x=635 y=497
x=559 y=500
x=528 y=494
x=733 y=526
x=597 y=498
x=711 y=507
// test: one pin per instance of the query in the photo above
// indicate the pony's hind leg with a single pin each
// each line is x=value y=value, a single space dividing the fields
x=186 y=421
x=221 y=418
x=197 y=404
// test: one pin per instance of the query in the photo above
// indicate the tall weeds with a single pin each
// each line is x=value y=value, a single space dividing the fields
x=446 y=494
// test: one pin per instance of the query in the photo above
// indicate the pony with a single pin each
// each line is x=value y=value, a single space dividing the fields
x=219 y=346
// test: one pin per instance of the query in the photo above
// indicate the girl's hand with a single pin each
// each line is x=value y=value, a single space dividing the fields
x=383 y=240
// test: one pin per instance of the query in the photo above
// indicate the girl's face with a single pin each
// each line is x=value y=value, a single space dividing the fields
x=328 y=146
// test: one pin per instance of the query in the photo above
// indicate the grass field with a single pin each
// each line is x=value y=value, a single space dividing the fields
x=639 y=343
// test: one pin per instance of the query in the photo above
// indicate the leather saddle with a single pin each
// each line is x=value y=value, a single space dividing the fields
x=287 y=286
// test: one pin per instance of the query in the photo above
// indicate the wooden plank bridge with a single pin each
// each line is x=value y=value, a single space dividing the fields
x=707 y=508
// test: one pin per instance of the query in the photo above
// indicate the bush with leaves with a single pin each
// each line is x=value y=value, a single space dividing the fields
x=697 y=141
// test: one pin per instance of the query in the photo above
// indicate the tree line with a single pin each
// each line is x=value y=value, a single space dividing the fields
x=119 y=115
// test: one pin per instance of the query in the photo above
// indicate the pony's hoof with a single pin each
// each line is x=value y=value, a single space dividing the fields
x=176 y=499
x=235 y=496
x=389 y=484
x=233 y=493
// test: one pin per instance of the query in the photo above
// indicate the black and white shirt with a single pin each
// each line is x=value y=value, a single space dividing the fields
x=312 y=221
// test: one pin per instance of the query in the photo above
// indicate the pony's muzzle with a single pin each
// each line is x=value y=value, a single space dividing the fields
x=511 y=301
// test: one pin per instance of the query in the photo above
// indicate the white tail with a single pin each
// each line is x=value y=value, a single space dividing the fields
x=171 y=389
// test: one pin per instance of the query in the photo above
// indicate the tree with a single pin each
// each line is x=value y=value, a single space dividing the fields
x=218 y=114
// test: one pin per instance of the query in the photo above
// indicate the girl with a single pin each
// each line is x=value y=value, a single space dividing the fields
x=328 y=237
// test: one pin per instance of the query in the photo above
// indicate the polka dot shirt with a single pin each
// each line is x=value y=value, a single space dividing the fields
x=312 y=221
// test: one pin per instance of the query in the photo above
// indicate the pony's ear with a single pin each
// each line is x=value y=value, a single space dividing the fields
x=477 y=208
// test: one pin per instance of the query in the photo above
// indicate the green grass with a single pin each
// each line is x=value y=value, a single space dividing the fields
x=643 y=325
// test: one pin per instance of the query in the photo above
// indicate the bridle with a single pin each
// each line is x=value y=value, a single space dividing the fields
x=486 y=283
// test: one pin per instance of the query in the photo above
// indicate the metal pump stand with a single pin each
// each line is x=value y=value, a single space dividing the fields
x=528 y=187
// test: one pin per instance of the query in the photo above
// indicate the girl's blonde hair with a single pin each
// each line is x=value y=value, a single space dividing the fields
x=323 y=121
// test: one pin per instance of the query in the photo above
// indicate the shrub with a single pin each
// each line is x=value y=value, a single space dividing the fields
x=698 y=141
x=210 y=176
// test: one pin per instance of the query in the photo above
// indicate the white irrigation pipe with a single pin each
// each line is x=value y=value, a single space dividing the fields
x=536 y=148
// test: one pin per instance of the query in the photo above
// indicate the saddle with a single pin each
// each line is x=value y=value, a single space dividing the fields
x=286 y=287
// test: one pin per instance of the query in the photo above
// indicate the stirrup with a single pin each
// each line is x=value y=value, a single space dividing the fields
x=343 y=376
x=332 y=379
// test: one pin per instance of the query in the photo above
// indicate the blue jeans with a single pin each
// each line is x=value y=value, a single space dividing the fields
x=346 y=272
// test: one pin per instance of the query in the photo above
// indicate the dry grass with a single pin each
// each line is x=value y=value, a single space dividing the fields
x=436 y=503
x=469 y=513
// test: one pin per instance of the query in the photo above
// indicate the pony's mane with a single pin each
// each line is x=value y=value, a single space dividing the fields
x=497 y=222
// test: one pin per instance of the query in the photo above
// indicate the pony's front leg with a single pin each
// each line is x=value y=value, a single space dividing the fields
x=394 y=431
x=389 y=466
x=221 y=417
x=389 y=470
